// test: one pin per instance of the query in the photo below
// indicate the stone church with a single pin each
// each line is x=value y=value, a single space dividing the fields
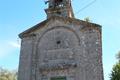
x=61 y=47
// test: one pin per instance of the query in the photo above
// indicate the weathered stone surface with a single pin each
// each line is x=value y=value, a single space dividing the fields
x=61 y=47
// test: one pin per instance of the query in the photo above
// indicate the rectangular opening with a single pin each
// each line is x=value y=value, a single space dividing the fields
x=58 y=78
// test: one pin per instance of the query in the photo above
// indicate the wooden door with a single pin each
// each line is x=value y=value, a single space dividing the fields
x=58 y=78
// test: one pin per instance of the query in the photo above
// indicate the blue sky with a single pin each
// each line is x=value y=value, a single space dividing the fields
x=19 y=15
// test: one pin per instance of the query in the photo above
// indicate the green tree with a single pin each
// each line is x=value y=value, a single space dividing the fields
x=115 y=74
x=118 y=56
x=7 y=75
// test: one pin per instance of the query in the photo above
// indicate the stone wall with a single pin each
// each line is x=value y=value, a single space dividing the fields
x=62 y=48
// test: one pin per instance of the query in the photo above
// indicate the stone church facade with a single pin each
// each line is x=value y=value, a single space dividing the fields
x=61 y=47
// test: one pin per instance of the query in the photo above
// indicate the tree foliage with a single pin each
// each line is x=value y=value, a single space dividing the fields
x=87 y=19
x=7 y=75
x=118 y=56
x=115 y=74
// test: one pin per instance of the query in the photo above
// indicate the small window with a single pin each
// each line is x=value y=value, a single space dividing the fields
x=58 y=1
x=58 y=42
x=58 y=12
